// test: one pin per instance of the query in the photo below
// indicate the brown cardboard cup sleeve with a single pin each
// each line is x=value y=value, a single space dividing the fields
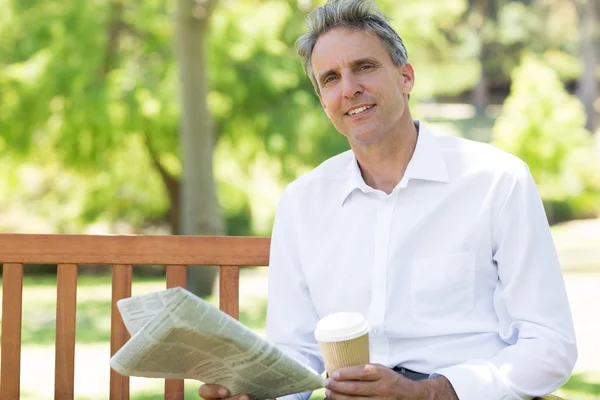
x=343 y=339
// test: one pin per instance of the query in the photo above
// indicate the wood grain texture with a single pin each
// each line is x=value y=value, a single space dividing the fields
x=174 y=388
x=12 y=305
x=121 y=288
x=176 y=275
x=134 y=249
x=229 y=290
x=66 y=309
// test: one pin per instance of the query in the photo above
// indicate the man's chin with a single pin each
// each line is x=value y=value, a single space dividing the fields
x=364 y=137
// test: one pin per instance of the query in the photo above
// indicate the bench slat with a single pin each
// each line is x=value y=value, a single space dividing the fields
x=12 y=305
x=229 y=290
x=121 y=288
x=132 y=249
x=176 y=276
x=66 y=308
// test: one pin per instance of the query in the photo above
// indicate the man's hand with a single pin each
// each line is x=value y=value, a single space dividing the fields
x=217 y=392
x=377 y=381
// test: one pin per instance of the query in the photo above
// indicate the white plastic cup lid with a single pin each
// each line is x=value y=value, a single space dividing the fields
x=341 y=326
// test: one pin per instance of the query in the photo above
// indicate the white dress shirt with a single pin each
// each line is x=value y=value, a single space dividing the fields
x=455 y=270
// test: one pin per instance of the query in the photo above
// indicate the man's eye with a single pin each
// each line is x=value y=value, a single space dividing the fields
x=364 y=67
x=329 y=79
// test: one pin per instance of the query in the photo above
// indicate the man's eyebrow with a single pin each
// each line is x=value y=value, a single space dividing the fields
x=355 y=64
x=367 y=60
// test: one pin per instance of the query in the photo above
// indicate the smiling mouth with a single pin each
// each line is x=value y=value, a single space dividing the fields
x=360 y=110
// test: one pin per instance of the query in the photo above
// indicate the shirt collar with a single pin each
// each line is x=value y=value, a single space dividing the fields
x=427 y=163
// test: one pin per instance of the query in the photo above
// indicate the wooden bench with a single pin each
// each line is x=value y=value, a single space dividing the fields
x=122 y=253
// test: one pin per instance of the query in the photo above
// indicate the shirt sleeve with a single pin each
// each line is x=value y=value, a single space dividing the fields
x=531 y=303
x=291 y=316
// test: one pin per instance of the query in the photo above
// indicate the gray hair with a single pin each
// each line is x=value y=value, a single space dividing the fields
x=348 y=14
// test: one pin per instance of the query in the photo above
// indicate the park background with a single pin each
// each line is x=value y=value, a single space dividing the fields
x=191 y=116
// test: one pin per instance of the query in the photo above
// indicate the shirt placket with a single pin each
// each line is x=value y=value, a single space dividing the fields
x=378 y=341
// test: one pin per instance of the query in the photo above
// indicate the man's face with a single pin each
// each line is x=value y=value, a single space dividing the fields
x=363 y=93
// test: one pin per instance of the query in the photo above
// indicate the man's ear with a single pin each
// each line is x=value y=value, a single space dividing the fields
x=408 y=78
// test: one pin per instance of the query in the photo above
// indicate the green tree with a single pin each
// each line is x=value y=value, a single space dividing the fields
x=545 y=126
x=96 y=80
x=497 y=31
x=93 y=100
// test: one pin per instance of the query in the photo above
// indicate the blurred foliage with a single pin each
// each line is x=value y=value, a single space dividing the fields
x=89 y=106
x=544 y=125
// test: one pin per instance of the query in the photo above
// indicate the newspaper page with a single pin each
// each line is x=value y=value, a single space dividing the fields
x=178 y=335
x=137 y=311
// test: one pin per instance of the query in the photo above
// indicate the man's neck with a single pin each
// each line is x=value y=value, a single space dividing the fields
x=383 y=164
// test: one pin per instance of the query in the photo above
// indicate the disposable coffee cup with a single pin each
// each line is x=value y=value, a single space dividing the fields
x=343 y=339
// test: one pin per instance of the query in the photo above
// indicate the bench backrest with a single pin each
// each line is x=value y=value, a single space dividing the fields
x=121 y=252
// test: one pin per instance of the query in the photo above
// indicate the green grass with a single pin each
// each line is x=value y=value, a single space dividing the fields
x=577 y=243
x=582 y=386
x=93 y=308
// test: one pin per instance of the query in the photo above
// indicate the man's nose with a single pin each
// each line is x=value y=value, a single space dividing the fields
x=351 y=86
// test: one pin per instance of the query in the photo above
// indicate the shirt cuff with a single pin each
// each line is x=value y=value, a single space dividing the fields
x=476 y=380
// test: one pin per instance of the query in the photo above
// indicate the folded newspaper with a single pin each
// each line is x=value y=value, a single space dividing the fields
x=177 y=335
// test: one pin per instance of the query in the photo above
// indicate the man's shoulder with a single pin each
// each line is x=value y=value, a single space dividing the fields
x=470 y=155
x=329 y=172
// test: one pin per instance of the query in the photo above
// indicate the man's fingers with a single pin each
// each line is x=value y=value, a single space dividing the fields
x=353 y=388
x=368 y=372
x=213 y=392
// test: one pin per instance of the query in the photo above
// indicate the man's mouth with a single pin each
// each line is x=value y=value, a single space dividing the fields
x=359 y=110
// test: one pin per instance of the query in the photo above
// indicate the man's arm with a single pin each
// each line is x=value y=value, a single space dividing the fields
x=291 y=316
x=531 y=304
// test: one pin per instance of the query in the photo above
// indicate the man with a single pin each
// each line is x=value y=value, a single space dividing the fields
x=442 y=243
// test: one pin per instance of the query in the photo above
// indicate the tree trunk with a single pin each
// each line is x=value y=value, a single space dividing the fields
x=172 y=185
x=587 y=86
x=480 y=95
x=200 y=210
x=114 y=32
